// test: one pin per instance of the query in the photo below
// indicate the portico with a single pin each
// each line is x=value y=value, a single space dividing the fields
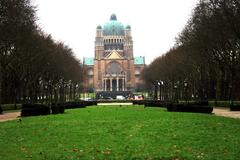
x=114 y=82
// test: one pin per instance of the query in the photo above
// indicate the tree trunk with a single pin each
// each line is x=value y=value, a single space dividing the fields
x=0 y=86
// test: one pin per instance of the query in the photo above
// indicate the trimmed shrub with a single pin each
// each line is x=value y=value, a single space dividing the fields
x=235 y=107
x=156 y=103
x=197 y=107
x=34 y=110
x=91 y=103
x=139 y=102
x=58 y=108
x=7 y=107
x=73 y=105
x=1 y=111
x=225 y=104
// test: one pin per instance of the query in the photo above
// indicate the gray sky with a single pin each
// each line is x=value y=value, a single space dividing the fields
x=155 y=23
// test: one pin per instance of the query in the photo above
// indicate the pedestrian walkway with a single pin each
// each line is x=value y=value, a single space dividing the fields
x=9 y=116
x=226 y=112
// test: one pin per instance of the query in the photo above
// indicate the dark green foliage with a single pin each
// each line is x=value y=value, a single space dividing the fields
x=235 y=107
x=34 y=110
x=73 y=105
x=57 y=108
x=7 y=107
x=196 y=107
x=139 y=102
x=1 y=110
x=156 y=103
x=151 y=103
x=91 y=103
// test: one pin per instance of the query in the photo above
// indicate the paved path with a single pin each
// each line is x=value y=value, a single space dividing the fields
x=9 y=116
x=226 y=112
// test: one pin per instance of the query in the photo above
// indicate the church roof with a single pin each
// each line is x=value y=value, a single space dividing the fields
x=113 y=27
x=88 y=61
x=139 y=60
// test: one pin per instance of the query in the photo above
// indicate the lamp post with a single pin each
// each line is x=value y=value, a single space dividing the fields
x=176 y=90
x=155 y=85
x=230 y=94
x=158 y=90
x=160 y=84
x=185 y=88
x=175 y=96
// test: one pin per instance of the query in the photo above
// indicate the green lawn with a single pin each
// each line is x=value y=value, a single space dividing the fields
x=121 y=133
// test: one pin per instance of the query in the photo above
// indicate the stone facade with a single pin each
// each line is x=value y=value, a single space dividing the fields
x=114 y=68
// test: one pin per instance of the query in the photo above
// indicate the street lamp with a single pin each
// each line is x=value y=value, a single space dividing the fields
x=160 y=84
x=159 y=88
x=155 y=84
x=230 y=94
x=175 y=88
x=185 y=87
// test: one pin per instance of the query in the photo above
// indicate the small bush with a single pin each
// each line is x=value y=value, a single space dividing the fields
x=197 y=107
x=58 y=108
x=156 y=103
x=139 y=102
x=7 y=107
x=235 y=107
x=34 y=110
x=91 y=103
x=1 y=111
x=73 y=105
x=225 y=104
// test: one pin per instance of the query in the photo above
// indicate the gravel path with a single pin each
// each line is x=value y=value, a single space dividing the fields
x=226 y=113
x=9 y=116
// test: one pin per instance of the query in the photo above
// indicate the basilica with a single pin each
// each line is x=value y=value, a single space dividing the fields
x=114 y=67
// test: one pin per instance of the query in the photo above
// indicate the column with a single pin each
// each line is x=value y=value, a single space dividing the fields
x=111 y=84
x=117 y=84
x=105 y=86
x=125 y=84
x=122 y=85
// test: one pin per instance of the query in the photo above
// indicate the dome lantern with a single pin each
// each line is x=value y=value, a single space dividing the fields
x=113 y=17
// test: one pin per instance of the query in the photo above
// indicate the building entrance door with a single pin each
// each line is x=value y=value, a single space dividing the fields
x=114 y=85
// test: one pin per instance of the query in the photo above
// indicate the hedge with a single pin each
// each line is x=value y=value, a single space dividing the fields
x=34 y=110
x=235 y=107
x=1 y=110
x=73 y=105
x=57 y=108
x=7 y=107
x=197 y=107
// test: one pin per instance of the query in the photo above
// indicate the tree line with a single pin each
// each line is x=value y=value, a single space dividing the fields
x=33 y=66
x=204 y=63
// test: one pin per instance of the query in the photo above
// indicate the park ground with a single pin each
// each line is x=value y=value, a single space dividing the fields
x=113 y=132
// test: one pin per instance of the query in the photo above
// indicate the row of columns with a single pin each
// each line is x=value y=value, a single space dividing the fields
x=120 y=84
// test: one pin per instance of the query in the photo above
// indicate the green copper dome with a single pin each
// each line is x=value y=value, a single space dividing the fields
x=99 y=27
x=128 y=27
x=113 y=27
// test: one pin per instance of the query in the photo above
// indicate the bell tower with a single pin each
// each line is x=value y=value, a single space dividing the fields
x=99 y=45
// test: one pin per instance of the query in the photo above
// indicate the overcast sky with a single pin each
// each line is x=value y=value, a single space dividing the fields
x=155 y=23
